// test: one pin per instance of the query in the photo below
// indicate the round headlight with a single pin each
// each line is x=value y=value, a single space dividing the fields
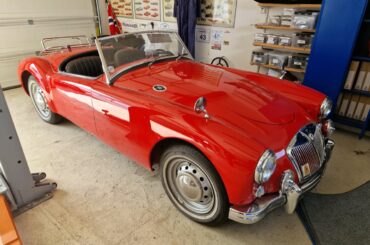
x=325 y=108
x=265 y=167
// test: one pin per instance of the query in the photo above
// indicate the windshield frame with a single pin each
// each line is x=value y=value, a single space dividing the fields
x=112 y=77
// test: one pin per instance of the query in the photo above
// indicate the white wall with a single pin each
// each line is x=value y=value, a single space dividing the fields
x=51 y=18
x=240 y=37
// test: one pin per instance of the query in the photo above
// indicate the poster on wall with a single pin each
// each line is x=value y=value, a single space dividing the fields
x=147 y=9
x=219 y=13
x=122 y=8
x=216 y=40
x=168 y=6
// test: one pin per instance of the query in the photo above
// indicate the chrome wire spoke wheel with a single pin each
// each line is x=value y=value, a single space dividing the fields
x=39 y=100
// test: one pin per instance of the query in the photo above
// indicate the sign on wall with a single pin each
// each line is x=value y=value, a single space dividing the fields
x=168 y=7
x=123 y=8
x=148 y=10
x=217 y=13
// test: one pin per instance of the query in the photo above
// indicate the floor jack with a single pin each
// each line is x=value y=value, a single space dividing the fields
x=20 y=189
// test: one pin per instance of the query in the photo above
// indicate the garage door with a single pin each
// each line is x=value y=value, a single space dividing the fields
x=23 y=23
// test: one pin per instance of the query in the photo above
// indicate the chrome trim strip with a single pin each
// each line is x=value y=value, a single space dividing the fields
x=103 y=62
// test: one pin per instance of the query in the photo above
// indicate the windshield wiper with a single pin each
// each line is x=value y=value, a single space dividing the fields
x=180 y=56
x=159 y=58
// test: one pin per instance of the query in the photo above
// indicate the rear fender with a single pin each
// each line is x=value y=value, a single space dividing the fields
x=42 y=71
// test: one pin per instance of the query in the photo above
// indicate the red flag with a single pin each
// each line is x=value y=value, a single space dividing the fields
x=114 y=24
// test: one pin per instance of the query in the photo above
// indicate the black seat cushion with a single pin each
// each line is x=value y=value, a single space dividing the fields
x=125 y=56
x=86 y=66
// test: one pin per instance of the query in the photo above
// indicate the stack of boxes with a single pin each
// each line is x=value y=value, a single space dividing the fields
x=352 y=105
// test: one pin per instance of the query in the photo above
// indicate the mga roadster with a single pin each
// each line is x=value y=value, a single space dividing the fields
x=228 y=144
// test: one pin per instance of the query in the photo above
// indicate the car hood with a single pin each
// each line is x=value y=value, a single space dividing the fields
x=230 y=97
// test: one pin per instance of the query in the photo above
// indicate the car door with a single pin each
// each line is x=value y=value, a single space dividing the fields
x=72 y=98
x=121 y=120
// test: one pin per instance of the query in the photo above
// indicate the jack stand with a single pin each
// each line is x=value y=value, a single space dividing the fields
x=22 y=189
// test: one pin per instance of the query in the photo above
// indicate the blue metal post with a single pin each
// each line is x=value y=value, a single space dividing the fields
x=337 y=31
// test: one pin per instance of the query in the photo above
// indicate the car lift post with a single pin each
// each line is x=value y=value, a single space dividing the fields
x=22 y=189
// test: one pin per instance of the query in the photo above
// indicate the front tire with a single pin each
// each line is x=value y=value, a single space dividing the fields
x=40 y=103
x=193 y=185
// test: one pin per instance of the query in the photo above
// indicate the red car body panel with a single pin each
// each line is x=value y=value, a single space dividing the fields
x=249 y=113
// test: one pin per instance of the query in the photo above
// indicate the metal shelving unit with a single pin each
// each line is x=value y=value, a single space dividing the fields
x=286 y=48
x=291 y=49
x=283 y=28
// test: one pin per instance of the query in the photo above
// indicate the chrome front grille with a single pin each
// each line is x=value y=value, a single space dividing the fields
x=306 y=151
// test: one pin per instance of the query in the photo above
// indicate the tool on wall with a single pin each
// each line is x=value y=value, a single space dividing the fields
x=22 y=189
x=220 y=61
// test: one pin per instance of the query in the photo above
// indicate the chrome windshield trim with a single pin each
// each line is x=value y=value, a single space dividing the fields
x=103 y=62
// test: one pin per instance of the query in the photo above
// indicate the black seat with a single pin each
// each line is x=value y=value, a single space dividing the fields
x=125 y=56
x=86 y=66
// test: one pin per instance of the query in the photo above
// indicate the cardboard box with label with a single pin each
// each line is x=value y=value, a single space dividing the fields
x=366 y=83
x=352 y=106
x=366 y=109
x=351 y=74
x=361 y=76
x=344 y=105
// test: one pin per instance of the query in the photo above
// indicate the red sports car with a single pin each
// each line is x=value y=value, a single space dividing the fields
x=227 y=143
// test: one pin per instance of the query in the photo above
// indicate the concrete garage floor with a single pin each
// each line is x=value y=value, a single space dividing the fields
x=105 y=198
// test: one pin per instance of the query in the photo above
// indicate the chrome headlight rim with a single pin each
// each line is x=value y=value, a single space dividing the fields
x=266 y=167
x=326 y=108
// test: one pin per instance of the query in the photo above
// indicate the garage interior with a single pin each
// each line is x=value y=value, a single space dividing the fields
x=104 y=197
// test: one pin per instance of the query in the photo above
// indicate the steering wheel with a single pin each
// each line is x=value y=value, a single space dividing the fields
x=159 y=52
x=220 y=61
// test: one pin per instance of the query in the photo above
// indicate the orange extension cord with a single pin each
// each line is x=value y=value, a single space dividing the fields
x=8 y=232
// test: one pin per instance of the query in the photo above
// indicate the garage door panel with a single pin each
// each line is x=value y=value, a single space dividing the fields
x=48 y=19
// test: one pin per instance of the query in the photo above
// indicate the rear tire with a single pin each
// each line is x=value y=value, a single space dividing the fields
x=193 y=185
x=40 y=103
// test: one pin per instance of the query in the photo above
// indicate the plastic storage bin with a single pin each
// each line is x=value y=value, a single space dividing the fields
x=260 y=57
x=278 y=59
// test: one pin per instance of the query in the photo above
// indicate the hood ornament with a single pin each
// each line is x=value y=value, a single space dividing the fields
x=159 y=88
x=200 y=106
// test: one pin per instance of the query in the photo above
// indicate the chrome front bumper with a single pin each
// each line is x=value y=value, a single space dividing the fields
x=289 y=195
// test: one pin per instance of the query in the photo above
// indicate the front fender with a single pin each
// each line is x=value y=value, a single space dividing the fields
x=233 y=154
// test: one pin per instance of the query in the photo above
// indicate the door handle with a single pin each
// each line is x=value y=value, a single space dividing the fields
x=105 y=112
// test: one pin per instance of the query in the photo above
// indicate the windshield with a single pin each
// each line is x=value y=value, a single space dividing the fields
x=124 y=51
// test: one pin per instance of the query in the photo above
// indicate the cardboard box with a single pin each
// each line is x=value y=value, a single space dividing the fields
x=352 y=106
x=360 y=108
x=366 y=109
x=361 y=76
x=351 y=74
x=344 y=104
x=339 y=102
x=366 y=84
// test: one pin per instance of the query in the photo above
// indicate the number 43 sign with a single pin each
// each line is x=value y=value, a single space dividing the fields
x=202 y=35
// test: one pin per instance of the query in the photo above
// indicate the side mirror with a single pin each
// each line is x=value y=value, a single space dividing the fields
x=200 y=106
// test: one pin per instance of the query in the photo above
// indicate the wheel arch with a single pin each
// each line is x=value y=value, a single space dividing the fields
x=24 y=80
x=160 y=147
